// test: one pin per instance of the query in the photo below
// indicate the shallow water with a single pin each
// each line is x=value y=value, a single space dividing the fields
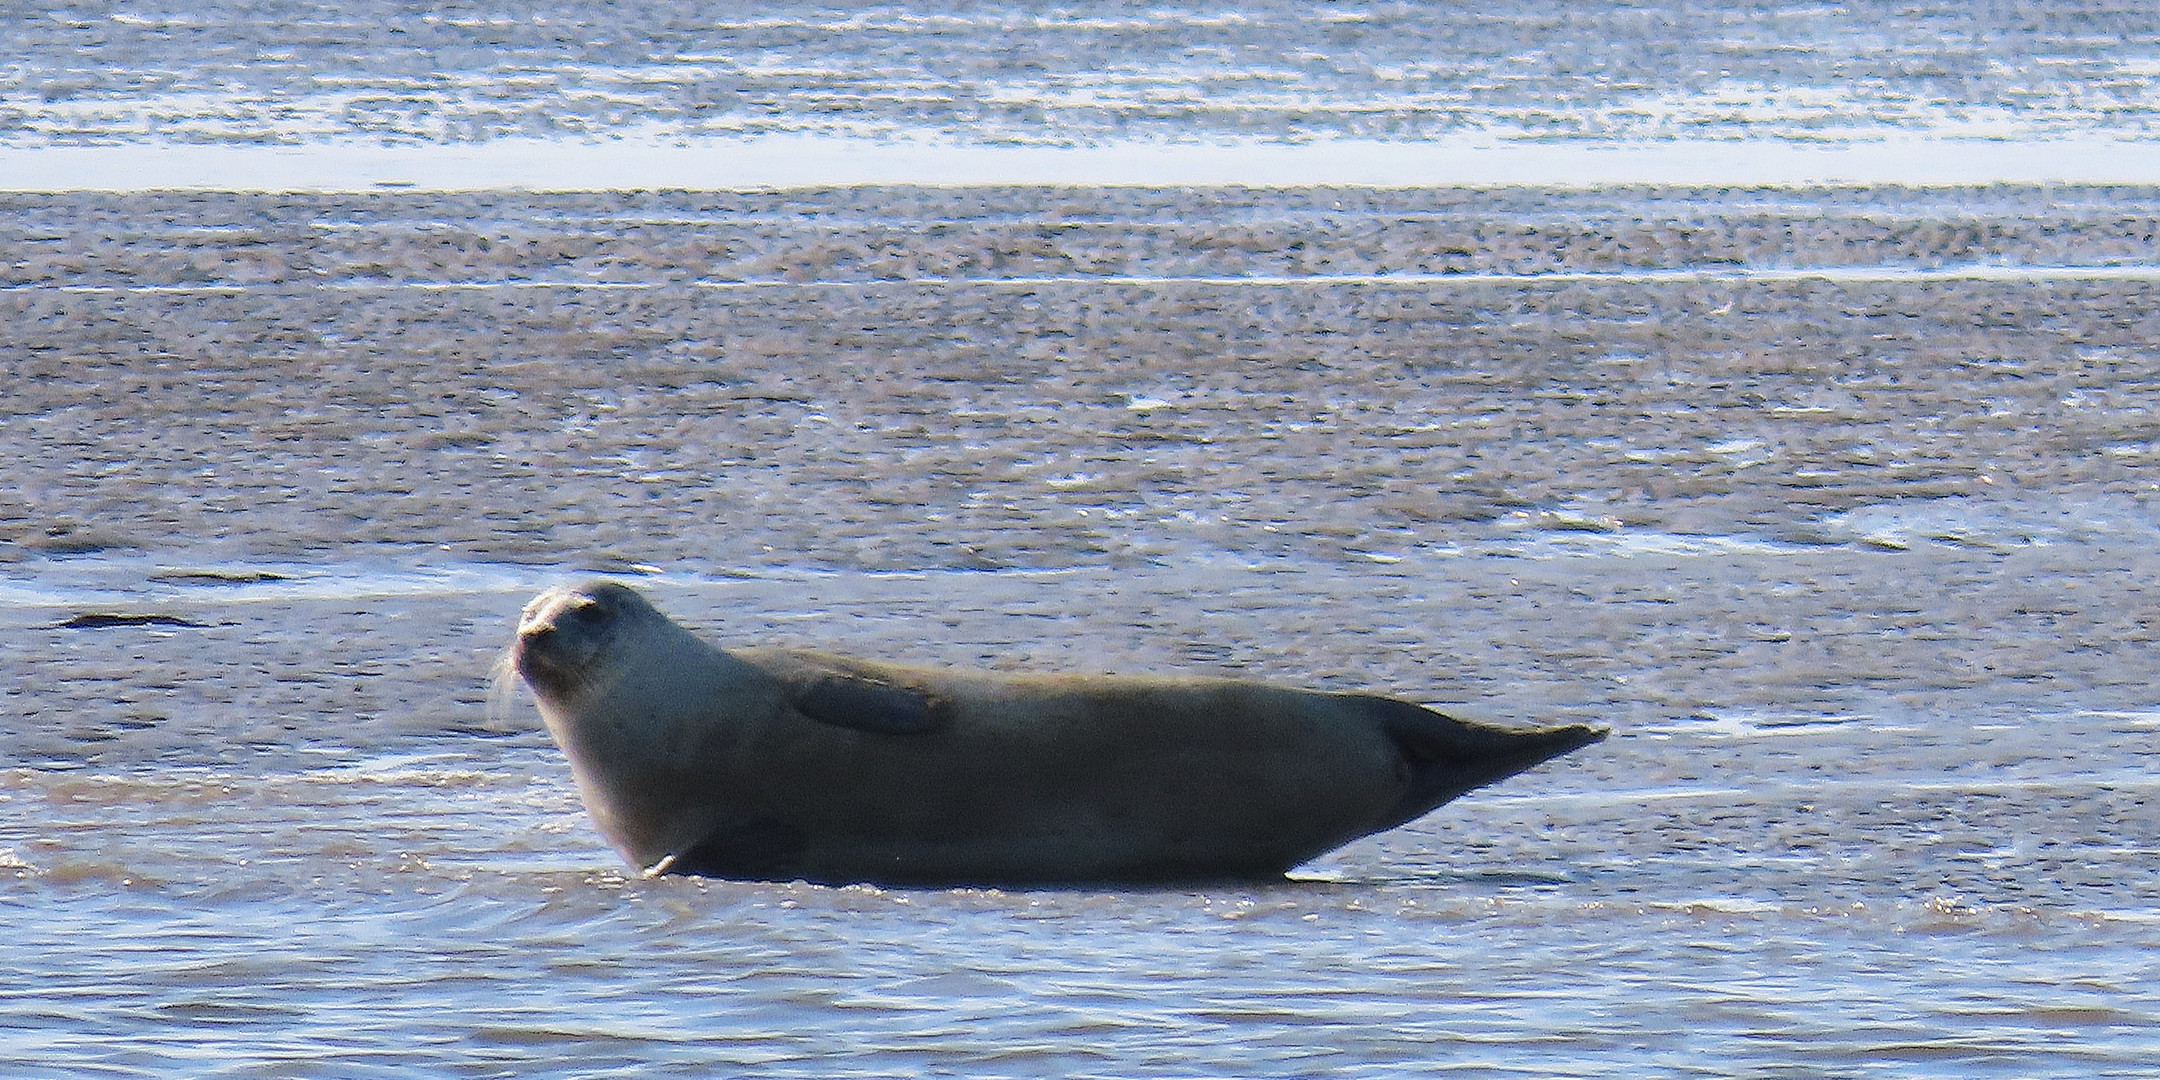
x=1837 y=503
x=291 y=72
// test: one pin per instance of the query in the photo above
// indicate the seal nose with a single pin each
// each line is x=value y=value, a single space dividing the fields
x=535 y=641
x=563 y=633
x=543 y=642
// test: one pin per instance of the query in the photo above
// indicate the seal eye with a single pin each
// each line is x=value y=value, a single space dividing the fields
x=591 y=614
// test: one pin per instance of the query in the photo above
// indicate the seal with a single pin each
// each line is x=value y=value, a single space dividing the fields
x=776 y=764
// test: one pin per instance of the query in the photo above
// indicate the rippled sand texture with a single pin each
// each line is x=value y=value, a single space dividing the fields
x=1839 y=504
x=906 y=380
x=377 y=69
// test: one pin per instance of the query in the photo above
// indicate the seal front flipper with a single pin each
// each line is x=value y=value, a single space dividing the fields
x=865 y=704
x=759 y=850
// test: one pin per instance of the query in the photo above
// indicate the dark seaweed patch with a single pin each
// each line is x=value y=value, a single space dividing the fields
x=100 y=620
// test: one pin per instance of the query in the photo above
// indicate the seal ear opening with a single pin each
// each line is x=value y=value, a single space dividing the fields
x=1447 y=757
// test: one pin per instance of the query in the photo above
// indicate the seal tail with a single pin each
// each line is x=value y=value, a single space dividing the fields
x=1447 y=757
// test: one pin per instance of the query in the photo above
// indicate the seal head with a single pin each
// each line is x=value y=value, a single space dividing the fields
x=640 y=706
x=565 y=635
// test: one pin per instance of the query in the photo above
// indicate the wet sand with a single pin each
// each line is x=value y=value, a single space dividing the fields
x=1690 y=461
x=883 y=379
x=1898 y=430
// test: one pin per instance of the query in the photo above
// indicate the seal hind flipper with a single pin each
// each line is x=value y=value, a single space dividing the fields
x=1447 y=757
x=864 y=704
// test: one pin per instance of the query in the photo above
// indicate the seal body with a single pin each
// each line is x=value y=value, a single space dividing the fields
x=777 y=764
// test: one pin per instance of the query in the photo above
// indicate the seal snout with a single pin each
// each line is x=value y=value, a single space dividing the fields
x=559 y=634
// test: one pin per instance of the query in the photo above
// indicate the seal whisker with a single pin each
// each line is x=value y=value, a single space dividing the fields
x=502 y=686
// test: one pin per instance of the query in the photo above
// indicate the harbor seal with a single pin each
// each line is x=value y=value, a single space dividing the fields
x=776 y=764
